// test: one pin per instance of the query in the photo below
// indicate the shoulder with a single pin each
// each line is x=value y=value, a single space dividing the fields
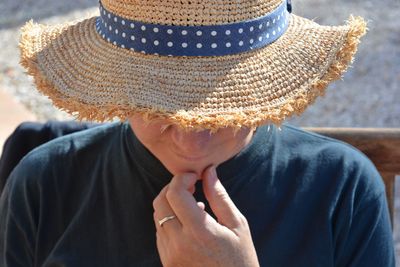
x=316 y=145
x=100 y=137
x=327 y=157
x=65 y=154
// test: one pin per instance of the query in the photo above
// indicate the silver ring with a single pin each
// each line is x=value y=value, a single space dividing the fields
x=166 y=219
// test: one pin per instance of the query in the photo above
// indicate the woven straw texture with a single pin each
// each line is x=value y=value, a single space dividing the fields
x=193 y=12
x=92 y=79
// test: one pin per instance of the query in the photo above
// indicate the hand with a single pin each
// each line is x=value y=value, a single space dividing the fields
x=194 y=238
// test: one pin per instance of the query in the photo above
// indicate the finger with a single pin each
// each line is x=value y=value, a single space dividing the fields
x=221 y=204
x=162 y=248
x=162 y=209
x=182 y=201
x=201 y=205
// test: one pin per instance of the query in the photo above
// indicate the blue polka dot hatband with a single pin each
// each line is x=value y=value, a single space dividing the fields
x=203 y=40
x=200 y=64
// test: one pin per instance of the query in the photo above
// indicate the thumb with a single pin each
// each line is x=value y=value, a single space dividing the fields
x=220 y=202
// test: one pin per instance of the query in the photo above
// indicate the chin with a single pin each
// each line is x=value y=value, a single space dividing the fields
x=197 y=168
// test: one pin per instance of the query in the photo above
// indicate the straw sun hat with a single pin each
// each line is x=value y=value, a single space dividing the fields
x=200 y=63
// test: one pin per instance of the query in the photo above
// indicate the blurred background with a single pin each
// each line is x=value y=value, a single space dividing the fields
x=367 y=96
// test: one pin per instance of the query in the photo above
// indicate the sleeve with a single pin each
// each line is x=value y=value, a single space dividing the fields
x=18 y=221
x=364 y=237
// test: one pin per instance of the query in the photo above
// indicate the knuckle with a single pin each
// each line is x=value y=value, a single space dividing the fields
x=156 y=202
x=171 y=193
x=222 y=195
x=243 y=221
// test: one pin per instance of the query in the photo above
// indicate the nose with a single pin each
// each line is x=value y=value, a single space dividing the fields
x=189 y=141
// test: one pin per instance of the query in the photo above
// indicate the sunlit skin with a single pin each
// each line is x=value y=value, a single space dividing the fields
x=183 y=151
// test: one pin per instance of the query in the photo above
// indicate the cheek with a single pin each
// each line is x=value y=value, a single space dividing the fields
x=147 y=133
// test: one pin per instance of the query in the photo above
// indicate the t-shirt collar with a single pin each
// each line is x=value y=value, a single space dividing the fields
x=235 y=168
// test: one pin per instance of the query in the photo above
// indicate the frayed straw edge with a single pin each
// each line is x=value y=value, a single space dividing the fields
x=192 y=120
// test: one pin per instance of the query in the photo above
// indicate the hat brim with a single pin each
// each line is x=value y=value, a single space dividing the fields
x=93 y=79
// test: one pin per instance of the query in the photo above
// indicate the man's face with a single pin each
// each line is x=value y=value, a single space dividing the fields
x=188 y=151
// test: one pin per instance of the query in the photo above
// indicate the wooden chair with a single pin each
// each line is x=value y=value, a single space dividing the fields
x=381 y=145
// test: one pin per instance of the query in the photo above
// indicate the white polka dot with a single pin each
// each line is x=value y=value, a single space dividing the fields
x=115 y=43
x=228 y=44
x=104 y=12
x=214 y=45
x=241 y=43
x=279 y=29
x=116 y=31
x=260 y=26
x=260 y=38
x=132 y=37
x=143 y=28
x=184 y=32
x=104 y=36
x=132 y=49
x=143 y=52
x=199 y=45
x=109 y=16
x=169 y=31
x=251 y=28
x=123 y=34
x=273 y=32
x=213 y=33
x=123 y=46
x=170 y=44
x=115 y=19
x=251 y=41
x=228 y=32
x=108 y=39
x=199 y=33
x=144 y=40
x=283 y=25
x=279 y=17
x=267 y=23
x=156 y=42
x=105 y=24
x=267 y=35
x=273 y=21
x=123 y=22
x=240 y=30
x=110 y=28
x=155 y=29
x=132 y=25
x=170 y=55
x=100 y=32
x=184 y=45
x=155 y=54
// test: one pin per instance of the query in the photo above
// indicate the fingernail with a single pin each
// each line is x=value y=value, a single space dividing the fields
x=189 y=178
x=212 y=173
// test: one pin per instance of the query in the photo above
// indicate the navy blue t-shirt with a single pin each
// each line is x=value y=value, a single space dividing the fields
x=86 y=200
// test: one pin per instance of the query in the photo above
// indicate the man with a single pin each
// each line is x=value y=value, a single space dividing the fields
x=198 y=175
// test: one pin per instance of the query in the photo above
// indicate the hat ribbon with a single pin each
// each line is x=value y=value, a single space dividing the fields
x=205 y=40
